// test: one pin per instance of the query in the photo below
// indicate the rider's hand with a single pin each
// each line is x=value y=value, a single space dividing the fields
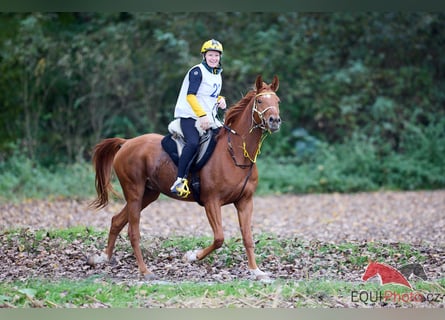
x=222 y=102
x=204 y=122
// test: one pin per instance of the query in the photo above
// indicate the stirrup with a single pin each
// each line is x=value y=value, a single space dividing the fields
x=182 y=189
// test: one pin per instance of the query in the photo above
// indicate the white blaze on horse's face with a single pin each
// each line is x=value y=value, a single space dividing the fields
x=268 y=111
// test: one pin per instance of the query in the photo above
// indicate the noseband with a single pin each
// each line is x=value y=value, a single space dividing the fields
x=262 y=124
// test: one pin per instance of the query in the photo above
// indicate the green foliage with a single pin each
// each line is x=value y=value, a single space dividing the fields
x=360 y=164
x=21 y=178
x=71 y=79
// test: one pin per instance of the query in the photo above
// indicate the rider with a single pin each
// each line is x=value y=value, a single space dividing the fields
x=198 y=101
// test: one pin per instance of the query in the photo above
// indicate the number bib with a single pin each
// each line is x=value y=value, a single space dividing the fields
x=207 y=94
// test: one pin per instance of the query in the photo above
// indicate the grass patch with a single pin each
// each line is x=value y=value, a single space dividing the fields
x=97 y=292
x=186 y=243
x=380 y=252
x=27 y=240
x=270 y=246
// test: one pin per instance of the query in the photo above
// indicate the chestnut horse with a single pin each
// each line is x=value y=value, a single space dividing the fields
x=145 y=171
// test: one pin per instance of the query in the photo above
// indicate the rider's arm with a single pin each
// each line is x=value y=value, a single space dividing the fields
x=195 y=79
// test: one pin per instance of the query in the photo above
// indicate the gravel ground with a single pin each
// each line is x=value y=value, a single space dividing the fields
x=411 y=217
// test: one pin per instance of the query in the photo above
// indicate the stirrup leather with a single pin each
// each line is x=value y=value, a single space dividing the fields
x=182 y=189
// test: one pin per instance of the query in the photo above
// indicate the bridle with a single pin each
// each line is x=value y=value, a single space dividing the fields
x=254 y=125
x=262 y=124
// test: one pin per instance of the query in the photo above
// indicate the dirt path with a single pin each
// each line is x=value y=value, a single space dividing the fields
x=411 y=217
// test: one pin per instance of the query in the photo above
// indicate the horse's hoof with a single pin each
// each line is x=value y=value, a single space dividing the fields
x=150 y=276
x=113 y=261
x=259 y=275
x=190 y=256
x=97 y=259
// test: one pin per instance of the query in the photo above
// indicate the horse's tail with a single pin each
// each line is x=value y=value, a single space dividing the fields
x=103 y=157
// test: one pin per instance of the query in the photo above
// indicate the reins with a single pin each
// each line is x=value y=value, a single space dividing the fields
x=232 y=153
x=242 y=166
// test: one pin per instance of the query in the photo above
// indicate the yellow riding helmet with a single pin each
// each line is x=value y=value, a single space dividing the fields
x=212 y=45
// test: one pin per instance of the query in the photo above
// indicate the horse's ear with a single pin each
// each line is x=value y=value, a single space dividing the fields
x=275 y=83
x=259 y=82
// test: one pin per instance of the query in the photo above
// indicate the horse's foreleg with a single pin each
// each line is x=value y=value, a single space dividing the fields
x=213 y=212
x=245 y=211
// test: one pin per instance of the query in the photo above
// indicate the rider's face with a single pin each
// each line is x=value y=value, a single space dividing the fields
x=212 y=58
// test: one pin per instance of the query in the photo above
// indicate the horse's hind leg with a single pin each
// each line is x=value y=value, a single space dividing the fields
x=118 y=222
x=130 y=213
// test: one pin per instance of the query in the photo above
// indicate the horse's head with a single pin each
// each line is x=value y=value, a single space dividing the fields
x=371 y=270
x=266 y=107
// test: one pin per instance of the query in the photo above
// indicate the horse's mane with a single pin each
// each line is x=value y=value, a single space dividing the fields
x=238 y=108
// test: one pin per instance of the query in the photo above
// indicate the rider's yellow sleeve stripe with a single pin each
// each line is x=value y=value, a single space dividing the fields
x=196 y=107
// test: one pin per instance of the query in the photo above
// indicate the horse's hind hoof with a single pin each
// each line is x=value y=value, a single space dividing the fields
x=150 y=276
x=264 y=279
x=190 y=256
x=259 y=275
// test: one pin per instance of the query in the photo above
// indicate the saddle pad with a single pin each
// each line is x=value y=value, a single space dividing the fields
x=204 y=152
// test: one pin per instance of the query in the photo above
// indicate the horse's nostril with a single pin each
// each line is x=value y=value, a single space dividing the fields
x=274 y=123
x=273 y=119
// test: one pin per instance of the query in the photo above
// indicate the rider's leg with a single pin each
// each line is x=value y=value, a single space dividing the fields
x=191 y=137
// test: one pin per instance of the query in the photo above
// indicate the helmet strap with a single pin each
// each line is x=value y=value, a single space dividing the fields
x=215 y=70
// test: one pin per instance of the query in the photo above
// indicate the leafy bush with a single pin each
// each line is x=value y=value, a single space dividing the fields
x=361 y=164
x=20 y=178
x=421 y=162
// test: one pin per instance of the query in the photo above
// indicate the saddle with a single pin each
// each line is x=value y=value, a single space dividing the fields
x=174 y=142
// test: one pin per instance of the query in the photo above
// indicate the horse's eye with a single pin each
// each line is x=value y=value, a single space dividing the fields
x=259 y=101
